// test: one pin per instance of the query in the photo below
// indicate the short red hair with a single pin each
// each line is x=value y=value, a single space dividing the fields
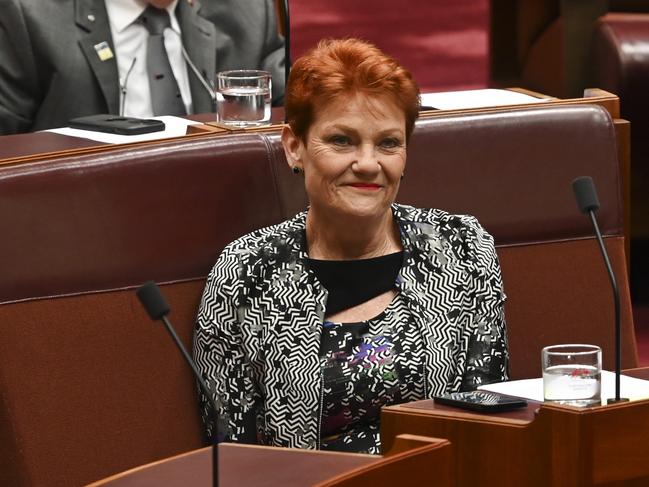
x=346 y=67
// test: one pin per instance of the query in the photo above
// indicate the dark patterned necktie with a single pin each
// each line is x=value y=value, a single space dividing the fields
x=165 y=94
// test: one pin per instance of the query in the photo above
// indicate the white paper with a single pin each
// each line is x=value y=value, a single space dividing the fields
x=457 y=100
x=630 y=387
x=174 y=127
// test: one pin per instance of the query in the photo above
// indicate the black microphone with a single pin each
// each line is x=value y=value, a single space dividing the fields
x=122 y=87
x=587 y=201
x=201 y=77
x=158 y=309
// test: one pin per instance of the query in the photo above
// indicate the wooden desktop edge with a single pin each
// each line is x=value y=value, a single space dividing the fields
x=130 y=471
x=504 y=418
x=521 y=417
x=296 y=451
x=93 y=149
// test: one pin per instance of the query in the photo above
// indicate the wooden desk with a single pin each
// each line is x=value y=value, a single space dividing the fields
x=38 y=145
x=541 y=445
x=413 y=462
x=241 y=466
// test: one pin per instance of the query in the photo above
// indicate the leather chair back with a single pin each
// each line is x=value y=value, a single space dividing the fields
x=90 y=386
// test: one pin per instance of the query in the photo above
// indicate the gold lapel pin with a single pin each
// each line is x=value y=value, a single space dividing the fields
x=103 y=50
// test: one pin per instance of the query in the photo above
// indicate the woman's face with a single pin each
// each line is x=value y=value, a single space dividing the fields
x=354 y=156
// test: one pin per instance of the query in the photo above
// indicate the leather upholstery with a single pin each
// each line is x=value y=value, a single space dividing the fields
x=621 y=44
x=115 y=219
x=517 y=185
x=90 y=387
x=621 y=52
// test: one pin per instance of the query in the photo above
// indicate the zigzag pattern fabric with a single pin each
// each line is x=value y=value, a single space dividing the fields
x=259 y=325
x=362 y=373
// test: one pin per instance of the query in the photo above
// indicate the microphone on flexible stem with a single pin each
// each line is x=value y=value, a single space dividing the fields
x=207 y=86
x=122 y=87
x=587 y=201
x=158 y=309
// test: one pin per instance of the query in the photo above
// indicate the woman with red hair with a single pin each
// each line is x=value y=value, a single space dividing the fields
x=307 y=328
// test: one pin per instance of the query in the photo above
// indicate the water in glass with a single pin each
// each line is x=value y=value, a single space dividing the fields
x=572 y=384
x=244 y=106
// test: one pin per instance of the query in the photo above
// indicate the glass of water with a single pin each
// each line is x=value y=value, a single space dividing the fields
x=243 y=98
x=572 y=374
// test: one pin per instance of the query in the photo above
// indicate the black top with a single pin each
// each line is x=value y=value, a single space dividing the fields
x=352 y=282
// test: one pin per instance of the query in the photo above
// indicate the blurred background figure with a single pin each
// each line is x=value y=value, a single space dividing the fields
x=65 y=59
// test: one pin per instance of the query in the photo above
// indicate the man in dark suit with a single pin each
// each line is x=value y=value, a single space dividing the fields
x=58 y=59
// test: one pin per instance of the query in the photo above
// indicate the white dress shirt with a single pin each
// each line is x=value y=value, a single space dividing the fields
x=130 y=41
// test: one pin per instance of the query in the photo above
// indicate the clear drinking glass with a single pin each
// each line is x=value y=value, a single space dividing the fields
x=572 y=374
x=243 y=98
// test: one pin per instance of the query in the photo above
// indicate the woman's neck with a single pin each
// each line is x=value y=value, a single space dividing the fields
x=335 y=238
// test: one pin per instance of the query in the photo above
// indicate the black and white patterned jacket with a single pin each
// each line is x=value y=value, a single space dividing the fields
x=258 y=329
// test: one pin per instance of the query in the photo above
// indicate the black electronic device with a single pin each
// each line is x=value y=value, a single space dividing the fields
x=114 y=124
x=482 y=401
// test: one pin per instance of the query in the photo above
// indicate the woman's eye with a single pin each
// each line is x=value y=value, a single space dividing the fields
x=340 y=140
x=390 y=143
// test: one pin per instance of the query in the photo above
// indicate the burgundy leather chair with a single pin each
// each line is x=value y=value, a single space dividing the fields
x=621 y=60
x=89 y=386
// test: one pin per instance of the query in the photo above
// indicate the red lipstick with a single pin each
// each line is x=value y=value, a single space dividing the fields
x=365 y=185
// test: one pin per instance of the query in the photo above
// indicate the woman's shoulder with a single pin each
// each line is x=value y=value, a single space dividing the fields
x=274 y=239
x=437 y=220
x=466 y=236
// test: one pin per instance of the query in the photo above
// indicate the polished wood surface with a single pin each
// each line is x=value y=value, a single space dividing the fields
x=242 y=466
x=413 y=461
x=19 y=146
x=39 y=145
x=541 y=445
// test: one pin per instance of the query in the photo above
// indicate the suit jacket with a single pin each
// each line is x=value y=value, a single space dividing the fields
x=50 y=70
x=259 y=324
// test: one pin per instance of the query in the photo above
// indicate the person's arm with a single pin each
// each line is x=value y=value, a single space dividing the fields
x=220 y=357
x=19 y=92
x=485 y=337
x=273 y=55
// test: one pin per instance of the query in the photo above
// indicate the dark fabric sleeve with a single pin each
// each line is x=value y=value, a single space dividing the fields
x=273 y=56
x=19 y=94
